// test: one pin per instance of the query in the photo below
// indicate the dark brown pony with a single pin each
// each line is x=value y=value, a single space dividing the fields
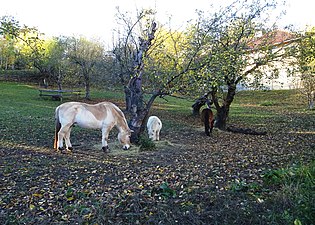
x=208 y=120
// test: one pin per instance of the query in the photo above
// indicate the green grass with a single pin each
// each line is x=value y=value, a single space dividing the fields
x=278 y=97
x=295 y=193
x=23 y=111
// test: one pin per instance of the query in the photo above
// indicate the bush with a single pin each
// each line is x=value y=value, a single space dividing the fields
x=146 y=144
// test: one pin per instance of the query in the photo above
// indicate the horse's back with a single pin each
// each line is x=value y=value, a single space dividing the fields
x=67 y=108
x=154 y=126
x=208 y=120
x=206 y=114
x=154 y=122
x=85 y=115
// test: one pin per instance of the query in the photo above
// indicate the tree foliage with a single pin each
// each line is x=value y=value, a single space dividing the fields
x=229 y=54
x=57 y=59
x=305 y=64
x=213 y=55
x=85 y=54
x=26 y=43
x=130 y=54
x=154 y=60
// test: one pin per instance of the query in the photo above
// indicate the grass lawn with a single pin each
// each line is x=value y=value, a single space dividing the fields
x=187 y=178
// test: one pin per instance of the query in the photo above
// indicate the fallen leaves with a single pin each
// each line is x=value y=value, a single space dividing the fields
x=192 y=180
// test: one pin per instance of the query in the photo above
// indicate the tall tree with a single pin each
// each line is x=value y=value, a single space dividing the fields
x=305 y=64
x=155 y=60
x=7 y=53
x=56 y=61
x=130 y=50
x=28 y=41
x=86 y=54
x=231 y=52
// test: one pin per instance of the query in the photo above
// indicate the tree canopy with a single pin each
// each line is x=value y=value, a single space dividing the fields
x=212 y=55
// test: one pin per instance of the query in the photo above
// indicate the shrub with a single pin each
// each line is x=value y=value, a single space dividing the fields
x=146 y=144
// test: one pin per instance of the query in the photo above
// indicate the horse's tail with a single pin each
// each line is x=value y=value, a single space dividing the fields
x=205 y=114
x=57 y=127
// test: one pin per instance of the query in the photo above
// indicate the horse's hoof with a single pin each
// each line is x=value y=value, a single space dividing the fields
x=125 y=148
x=62 y=150
x=105 y=149
x=70 y=149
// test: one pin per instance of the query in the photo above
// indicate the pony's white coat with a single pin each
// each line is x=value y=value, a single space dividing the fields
x=154 y=126
x=312 y=99
x=104 y=116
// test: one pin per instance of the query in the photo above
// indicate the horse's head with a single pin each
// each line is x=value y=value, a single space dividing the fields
x=124 y=138
x=152 y=134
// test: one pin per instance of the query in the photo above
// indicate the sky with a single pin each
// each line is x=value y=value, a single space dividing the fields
x=96 y=18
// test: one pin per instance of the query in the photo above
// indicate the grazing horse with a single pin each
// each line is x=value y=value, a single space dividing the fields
x=154 y=126
x=207 y=118
x=104 y=116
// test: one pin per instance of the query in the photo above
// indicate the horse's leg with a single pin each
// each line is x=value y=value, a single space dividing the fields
x=205 y=115
x=157 y=135
x=61 y=135
x=207 y=129
x=211 y=121
x=105 y=133
x=211 y=125
x=67 y=140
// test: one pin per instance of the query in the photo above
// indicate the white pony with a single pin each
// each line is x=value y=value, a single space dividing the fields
x=154 y=126
x=104 y=116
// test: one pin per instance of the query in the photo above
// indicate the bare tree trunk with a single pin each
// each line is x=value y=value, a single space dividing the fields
x=86 y=76
x=87 y=91
x=59 y=85
x=59 y=80
x=311 y=99
x=223 y=111
x=221 y=117
x=133 y=91
x=134 y=95
x=139 y=118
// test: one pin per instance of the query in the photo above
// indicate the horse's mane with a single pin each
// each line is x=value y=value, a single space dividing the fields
x=118 y=111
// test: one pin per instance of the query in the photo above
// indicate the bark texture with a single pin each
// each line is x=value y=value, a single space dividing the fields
x=133 y=91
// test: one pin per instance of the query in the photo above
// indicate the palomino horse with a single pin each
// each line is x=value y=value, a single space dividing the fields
x=154 y=126
x=104 y=116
